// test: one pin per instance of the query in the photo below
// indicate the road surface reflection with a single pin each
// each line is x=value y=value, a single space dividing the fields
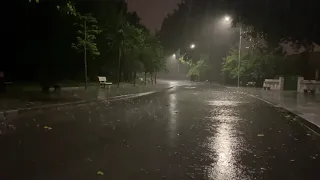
x=224 y=145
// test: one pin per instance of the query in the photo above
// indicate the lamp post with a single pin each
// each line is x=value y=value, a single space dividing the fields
x=239 y=61
x=174 y=56
x=227 y=19
x=177 y=55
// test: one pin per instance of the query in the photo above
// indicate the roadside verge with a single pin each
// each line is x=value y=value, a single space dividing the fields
x=6 y=115
x=299 y=116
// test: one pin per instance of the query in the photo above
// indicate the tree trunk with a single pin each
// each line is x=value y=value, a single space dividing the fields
x=134 y=78
x=151 y=77
x=85 y=57
x=45 y=87
x=155 y=78
x=119 y=66
x=145 y=78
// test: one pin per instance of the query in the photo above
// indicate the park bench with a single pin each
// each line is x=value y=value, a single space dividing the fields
x=103 y=81
x=251 y=84
x=308 y=86
x=273 y=84
x=269 y=83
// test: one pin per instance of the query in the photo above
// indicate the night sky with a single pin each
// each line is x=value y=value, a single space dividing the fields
x=152 y=12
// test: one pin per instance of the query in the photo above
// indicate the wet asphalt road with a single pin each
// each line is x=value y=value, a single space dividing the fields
x=188 y=132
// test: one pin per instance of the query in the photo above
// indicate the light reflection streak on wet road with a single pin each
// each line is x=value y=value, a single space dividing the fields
x=172 y=121
x=224 y=144
x=185 y=133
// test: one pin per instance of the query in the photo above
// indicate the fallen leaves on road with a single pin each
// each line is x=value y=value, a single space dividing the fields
x=89 y=159
x=47 y=127
x=260 y=135
x=100 y=173
x=12 y=126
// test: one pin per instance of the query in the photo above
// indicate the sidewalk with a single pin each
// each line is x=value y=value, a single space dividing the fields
x=305 y=106
x=30 y=99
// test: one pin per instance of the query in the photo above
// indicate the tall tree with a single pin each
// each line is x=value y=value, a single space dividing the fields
x=87 y=32
x=288 y=20
x=255 y=65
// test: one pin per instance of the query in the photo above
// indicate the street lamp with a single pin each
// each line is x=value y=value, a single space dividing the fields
x=227 y=19
x=174 y=56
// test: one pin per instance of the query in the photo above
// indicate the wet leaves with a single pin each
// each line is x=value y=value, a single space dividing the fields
x=47 y=128
x=313 y=157
x=88 y=159
x=260 y=135
x=12 y=126
x=100 y=173
x=288 y=116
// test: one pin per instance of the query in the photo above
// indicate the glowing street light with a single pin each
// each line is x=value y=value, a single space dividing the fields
x=192 y=46
x=227 y=18
x=174 y=55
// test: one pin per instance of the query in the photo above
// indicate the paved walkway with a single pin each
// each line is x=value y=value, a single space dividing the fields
x=306 y=106
x=31 y=99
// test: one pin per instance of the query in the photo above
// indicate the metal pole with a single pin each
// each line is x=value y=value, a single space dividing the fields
x=239 y=60
x=177 y=58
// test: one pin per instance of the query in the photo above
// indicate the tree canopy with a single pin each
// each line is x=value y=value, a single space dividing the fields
x=49 y=31
x=264 y=22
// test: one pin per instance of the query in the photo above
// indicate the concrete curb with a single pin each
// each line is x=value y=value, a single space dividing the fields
x=8 y=114
x=303 y=121
x=298 y=117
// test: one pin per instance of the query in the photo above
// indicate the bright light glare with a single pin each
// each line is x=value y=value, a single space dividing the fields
x=174 y=55
x=227 y=18
x=192 y=46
